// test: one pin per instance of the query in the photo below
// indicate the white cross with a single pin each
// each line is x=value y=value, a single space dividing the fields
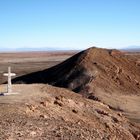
x=9 y=75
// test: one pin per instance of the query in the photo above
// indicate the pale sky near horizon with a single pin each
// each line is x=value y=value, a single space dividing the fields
x=69 y=24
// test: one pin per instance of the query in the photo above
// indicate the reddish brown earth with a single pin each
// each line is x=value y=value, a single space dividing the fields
x=45 y=112
x=108 y=78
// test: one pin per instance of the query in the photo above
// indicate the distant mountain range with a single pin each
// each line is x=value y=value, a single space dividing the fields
x=26 y=49
x=132 y=49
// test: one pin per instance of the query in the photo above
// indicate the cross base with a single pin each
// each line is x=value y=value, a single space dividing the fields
x=10 y=93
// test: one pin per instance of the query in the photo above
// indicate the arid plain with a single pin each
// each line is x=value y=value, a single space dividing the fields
x=26 y=62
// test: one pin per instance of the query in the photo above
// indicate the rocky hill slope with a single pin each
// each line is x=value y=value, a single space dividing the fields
x=110 y=70
x=104 y=75
x=46 y=112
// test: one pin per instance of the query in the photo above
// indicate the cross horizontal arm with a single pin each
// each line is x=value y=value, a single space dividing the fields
x=11 y=74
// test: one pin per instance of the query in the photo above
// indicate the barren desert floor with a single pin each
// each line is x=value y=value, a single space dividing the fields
x=26 y=62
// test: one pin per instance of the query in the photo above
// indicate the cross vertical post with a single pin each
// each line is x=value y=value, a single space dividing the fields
x=9 y=75
x=9 y=88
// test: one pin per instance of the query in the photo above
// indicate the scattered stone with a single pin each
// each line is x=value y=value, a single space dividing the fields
x=93 y=98
x=19 y=134
x=75 y=111
x=43 y=116
x=31 y=107
x=79 y=123
x=58 y=103
x=102 y=112
x=33 y=133
x=115 y=119
x=119 y=70
x=120 y=114
x=61 y=98
x=137 y=82
x=44 y=103
x=137 y=63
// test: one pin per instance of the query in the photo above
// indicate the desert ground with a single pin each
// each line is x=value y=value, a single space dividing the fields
x=27 y=62
x=57 y=112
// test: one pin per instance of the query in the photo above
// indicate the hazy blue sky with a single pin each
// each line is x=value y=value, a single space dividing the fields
x=69 y=24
